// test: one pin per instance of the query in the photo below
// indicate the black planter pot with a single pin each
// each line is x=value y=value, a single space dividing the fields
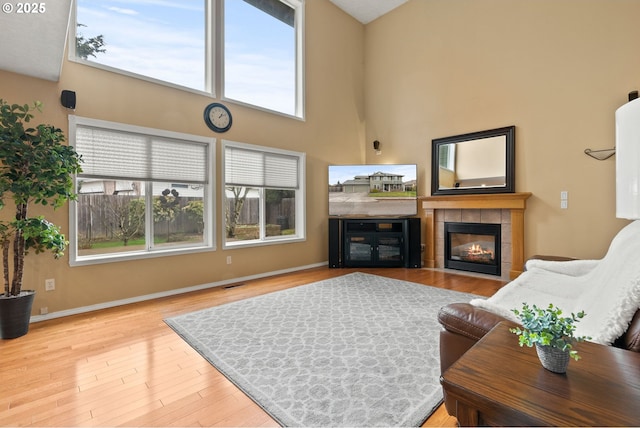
x=15 y=314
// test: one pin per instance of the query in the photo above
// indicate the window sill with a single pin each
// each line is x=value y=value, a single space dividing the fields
x=139 y=255
x=259 y=243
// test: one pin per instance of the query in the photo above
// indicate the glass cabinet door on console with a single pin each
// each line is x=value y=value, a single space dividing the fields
x=390 y=249
x=360 y=248
x=372 y=250
x=374 y=243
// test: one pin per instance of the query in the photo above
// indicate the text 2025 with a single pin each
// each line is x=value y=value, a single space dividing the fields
x=31 y=7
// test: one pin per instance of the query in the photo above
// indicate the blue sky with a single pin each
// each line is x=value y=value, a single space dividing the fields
x=343 y=173
x=165 y=39
x=259 y=63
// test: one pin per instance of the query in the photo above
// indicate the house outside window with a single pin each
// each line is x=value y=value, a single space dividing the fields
x=142 y=192
x=264 y=196
x=257 y=45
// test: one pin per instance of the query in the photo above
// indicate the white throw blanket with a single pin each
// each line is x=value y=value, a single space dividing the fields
x=608 y=290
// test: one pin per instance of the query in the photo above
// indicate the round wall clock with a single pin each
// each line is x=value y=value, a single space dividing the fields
x=217 y=117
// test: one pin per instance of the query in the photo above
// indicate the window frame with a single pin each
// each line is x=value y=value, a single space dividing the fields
x=209 y=216
x=299 y=26
x=214 y=58
x=300 y=203
x=450 y=157
x=209 y=52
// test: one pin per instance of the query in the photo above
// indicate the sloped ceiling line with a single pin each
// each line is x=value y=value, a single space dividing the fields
x=34 y=42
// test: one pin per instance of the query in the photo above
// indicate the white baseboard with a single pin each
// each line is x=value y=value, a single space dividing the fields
x=90 y=308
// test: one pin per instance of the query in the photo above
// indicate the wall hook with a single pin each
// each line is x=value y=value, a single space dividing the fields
x=600 y=154
x=607 y=153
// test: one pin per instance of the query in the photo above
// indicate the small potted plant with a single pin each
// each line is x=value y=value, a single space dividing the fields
x=35 y=168
x=552 y=334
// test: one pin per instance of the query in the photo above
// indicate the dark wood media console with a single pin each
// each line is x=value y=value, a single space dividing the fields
x=374 y=242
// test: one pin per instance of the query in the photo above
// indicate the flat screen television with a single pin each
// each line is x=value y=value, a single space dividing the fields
x=373 y=190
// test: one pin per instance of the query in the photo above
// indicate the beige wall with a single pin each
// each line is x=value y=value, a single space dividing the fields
x=431 y=68
x=483 y=158
x=332 y=132
x=557 y=70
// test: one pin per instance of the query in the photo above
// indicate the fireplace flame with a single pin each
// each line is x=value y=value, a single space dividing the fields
x=475 y=251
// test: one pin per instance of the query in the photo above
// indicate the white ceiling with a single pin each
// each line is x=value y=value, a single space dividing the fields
x=35 y=43
x=366 y=11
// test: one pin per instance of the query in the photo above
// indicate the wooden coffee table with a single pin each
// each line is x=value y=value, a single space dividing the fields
x=498 y=383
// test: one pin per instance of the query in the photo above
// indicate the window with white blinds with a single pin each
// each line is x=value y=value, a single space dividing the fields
x=116 y=154
x=264 y=195
x=254 y=168
x=142 y=192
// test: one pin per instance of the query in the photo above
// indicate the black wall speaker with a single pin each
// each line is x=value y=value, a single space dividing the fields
x=414 y=259
x=68 y=99
x=335 y=240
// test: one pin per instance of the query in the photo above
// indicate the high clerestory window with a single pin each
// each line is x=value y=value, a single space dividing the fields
x=256 y=44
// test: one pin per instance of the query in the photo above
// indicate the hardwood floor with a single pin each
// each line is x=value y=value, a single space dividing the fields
x=124 y=366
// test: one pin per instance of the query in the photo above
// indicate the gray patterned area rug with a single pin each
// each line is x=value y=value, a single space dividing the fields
x=356 y=350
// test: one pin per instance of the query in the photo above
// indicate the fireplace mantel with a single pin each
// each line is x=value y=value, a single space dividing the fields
x=515 y=202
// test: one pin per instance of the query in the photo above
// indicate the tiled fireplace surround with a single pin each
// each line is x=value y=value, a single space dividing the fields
x=506 y=209
x=495 y=216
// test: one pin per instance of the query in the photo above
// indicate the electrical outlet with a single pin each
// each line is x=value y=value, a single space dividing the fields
x=228 y=260
x=44 y=311
x=564 y=204
x=49 y=284
x=564 y=195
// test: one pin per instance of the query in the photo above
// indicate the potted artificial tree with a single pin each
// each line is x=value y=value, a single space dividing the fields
x=552 y=334
x=35 y=168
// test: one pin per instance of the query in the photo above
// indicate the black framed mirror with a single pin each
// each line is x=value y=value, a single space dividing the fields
x=478 y=162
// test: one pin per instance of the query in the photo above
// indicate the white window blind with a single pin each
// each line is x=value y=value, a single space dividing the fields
x=254 y=168
x=115 y=154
